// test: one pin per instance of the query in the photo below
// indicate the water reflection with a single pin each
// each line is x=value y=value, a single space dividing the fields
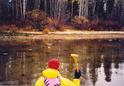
x=21 y=62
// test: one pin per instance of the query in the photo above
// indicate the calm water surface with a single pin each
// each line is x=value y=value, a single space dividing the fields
x=101 y=61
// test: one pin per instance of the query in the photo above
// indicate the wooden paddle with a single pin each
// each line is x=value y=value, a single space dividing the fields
x=75 y=59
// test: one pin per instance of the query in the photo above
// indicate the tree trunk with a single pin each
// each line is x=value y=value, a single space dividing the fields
x=122 y=13
x=1 y=8
x=24 y=7
x=37 y=4
x=83 y=8
x=110 y=6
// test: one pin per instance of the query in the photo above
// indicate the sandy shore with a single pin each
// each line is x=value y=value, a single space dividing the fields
x=70 y=35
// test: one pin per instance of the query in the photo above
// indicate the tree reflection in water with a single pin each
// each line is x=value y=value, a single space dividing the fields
x=21 y=62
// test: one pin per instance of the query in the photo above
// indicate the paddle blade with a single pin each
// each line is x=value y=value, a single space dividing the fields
x=75 y=58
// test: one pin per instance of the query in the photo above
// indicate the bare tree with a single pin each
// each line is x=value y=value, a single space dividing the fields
x=58 y=8
x=122 y=13
x=37 y=4
x=110 y=7
x=83 y=8
x=24 y=7
x=19 y=8
x=118 y=10
x=1 y=1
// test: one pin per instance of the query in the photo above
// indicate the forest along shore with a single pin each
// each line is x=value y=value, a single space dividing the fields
x=67 y=35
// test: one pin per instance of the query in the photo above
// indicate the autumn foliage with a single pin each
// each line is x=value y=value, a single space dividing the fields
x=40 y=21
x=96 y=24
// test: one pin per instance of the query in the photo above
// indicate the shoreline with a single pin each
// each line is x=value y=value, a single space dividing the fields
x=66 y=35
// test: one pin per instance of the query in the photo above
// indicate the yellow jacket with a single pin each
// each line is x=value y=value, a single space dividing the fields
x=51 y=73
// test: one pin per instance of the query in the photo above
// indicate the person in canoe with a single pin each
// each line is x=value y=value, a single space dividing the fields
x=52 y=77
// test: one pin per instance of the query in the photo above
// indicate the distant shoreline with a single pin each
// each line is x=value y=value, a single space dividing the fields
x=66 y=35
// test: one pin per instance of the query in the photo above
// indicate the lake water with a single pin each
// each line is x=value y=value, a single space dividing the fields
x=101 y=61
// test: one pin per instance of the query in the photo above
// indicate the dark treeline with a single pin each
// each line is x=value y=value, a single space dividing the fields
x=65 y=10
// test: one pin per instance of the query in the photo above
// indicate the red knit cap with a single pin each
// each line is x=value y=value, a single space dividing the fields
x=53 y=63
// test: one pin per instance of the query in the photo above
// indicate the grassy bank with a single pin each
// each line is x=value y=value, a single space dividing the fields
x=67 y=35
